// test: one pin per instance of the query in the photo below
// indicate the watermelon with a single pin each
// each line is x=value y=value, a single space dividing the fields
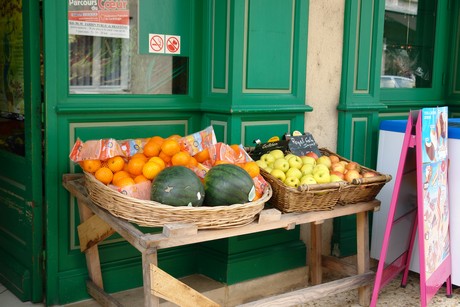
x=227 y=184
x=177 y=186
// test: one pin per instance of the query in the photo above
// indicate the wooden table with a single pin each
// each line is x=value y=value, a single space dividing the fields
x=97 y=224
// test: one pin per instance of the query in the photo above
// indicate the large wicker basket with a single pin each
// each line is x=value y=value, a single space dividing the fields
x=153 y=214
x=316 y=197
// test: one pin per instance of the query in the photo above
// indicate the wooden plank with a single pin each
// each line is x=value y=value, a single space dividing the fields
x=337 y=265
x=101 y=296
x=286 y=221
x=92 y=231
x=149 y=258
x=176 y=230
x=175 y=291
x=316 y=270
x=362 y=232
x=305 y=295
x=269 y=215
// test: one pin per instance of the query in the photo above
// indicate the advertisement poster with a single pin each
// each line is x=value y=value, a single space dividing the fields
x=435 y=200
x=11 y=60
x=104 y=18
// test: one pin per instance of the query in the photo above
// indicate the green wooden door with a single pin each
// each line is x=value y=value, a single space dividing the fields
x=21 y=208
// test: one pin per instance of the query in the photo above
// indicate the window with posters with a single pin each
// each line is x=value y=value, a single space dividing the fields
x=104 y=55
x=11 y=77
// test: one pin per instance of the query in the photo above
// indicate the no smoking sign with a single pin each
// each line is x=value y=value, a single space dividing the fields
x=160 y=43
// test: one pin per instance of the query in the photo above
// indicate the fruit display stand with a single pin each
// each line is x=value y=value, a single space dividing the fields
x=97 y=224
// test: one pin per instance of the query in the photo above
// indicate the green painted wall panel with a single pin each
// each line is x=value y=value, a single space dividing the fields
x=364 y=50
x=220 y=19
x=264 y=129
x=270 y=36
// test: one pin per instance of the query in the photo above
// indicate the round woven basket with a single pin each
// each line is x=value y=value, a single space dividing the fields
x=153 y=214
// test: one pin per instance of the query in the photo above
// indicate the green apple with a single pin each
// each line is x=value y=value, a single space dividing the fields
x=268 y=169
x=292 y=181
x=307 y=179
x=289 y=156
x=324 y=160
x=320 y=168
x=281 y=164
x=307 y=169
x=335 y=178
x=322 y=176
x=262 y=164
x=267 y=158
x=308 y=160
x=295 y=162
x=277 y=153
x=279 y=174
x=293 y=172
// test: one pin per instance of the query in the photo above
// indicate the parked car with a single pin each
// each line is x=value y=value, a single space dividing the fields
x=387 y=81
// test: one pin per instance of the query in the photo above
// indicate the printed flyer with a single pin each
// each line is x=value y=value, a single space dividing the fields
x=104 y=18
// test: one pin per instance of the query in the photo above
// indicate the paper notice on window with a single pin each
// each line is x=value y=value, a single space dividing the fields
x=105 y=18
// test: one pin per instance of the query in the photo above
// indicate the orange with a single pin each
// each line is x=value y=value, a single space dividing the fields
x=170 y=147
x=104 y=175
x=124 y=182
x=174 y=137
x=135 y=166
x=202 y=155
x=140 y=155
x=151 y=149
x=116 y=163
x=164 y=157
x=236 y=148
x=181 y=158
x=252 y=168
x=140 y=178
x=221 y=162
x=193 y=162
x=119 y=175
x=91 y=166
x=157 y=139
x=151 y=170
x=159 y=161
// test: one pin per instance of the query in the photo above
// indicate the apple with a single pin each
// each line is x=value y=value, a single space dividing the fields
x=369 y=174
x=334 y=159
x=339 y=167
x=312 y=154
x=293 y=172
x=289 y=156
x=322 y=176
x=292 y=181
x=307 y=179
x=351 y=174
x=295 y=162
x=352 y=165
x=324 y=160
x=279 y=174
x=308 y=160
x=277 y=153
x=335 y=178
x=267 y=158
x=281 y=164
x=268 y=169
x=320 y=168
x=262 y=164
x=307 y=169
x=338 y=174
x=343 y=162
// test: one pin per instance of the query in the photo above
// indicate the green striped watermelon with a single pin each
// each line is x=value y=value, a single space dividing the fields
x=227 y=184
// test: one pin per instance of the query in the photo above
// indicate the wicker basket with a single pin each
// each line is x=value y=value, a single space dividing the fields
x=153 y=214
x=316 y=197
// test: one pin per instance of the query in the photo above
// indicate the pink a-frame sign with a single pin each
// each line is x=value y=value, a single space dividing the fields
x=423 y=155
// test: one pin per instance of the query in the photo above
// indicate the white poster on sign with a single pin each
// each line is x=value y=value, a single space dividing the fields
x=172 y=44
x=105 y=18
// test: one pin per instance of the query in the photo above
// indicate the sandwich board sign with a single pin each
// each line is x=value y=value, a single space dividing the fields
x=423 y=160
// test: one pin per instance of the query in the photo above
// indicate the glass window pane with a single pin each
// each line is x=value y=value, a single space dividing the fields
x=104 y=57
x=408 y=44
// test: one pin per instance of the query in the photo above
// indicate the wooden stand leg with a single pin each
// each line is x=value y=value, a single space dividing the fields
x=92 y=253
x=316 y=269
x=149 y=257
x=362 y=226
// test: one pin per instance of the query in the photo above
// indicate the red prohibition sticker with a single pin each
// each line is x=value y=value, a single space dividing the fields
x=172 y=44
x=156 y=43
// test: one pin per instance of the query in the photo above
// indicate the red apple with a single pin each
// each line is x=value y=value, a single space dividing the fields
x=369 y=174
x=351 y=174
x=337 y=166
x=352 y=165
x=334 y=159
x=312 y=154
x=338 y=174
